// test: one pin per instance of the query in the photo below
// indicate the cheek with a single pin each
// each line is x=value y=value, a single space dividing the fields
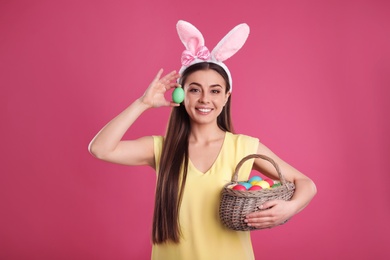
x=224 y=101
x=186 y=101
x=189 y=98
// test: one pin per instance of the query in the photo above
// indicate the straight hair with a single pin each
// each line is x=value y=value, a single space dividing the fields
x=174 y=160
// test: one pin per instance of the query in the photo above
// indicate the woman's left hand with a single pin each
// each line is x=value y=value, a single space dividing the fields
x=275 y=213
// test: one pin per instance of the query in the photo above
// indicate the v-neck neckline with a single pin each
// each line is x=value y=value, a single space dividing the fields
x=216 y=158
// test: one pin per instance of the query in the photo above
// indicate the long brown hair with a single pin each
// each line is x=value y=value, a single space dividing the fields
x=174 y=158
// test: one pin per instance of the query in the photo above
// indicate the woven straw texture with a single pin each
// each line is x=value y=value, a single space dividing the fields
x=236 y=204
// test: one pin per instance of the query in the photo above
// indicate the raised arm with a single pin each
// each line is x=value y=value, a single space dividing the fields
x=108 y=145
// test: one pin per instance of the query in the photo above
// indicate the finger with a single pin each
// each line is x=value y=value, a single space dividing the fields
x=262 y=225
x=157 y=77
x=168 y=81
x=170 y=76
x=257 y=220
x=159 y=73
x=268 y=204
x=173 y=78
x=264 y=210
x=173 y=104
x=259 y=214
x=265 y=223
x=261 y=221
x=170 y=85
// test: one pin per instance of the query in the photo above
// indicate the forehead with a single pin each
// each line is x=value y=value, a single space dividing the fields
x=206 y=78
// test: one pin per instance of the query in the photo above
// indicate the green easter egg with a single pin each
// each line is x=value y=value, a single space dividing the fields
x=178 y=95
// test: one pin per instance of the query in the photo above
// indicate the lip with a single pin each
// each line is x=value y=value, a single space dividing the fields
x=204 y=110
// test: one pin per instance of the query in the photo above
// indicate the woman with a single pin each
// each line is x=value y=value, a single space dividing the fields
x=193 y=162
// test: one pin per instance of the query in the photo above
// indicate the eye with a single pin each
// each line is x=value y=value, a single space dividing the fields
x=194 y=90
x=215 y=91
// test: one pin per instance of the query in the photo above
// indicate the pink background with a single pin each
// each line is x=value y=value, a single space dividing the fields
x=312 y=82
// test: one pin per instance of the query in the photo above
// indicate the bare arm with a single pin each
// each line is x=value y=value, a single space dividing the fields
x=108 y=144
x=280 y=211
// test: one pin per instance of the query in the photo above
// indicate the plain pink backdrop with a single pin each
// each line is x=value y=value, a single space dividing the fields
x=312 y=82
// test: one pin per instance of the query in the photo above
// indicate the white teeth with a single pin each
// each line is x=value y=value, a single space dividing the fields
x=204 y=110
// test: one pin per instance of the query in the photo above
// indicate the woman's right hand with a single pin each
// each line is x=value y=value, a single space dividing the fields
x=154 y=95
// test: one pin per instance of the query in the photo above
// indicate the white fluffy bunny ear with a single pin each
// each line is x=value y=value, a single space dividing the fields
x=190 y=36
x=231 y=43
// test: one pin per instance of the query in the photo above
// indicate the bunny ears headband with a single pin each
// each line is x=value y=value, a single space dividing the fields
x=197 y=52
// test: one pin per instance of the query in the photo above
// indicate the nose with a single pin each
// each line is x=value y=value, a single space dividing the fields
x=204 y=97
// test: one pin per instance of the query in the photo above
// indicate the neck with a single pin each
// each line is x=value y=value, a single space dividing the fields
x=205 y=133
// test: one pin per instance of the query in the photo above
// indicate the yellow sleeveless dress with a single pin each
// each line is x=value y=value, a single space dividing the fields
x=203 y=235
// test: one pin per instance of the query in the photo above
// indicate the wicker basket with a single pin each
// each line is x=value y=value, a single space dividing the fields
x=236 y=204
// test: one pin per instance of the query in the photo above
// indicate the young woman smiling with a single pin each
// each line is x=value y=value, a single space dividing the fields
x=193 y=161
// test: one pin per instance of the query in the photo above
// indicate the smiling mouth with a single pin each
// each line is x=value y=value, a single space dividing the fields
x=204 y=110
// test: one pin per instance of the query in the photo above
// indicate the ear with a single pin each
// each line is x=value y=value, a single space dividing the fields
x=231 y=43
x=227 y=95
x=190 y=36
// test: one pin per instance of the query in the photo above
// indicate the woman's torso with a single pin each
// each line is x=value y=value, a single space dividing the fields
x=203 y=234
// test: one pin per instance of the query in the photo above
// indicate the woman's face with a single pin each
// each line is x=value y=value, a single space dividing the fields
x=205 y=96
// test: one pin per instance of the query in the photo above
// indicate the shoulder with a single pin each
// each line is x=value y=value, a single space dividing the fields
x=242 y=144
x=158 y=141
x=242 y=138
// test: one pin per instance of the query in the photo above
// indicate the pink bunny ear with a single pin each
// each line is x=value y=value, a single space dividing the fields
x=190 y=36
x=231 y=43
x=196 y=52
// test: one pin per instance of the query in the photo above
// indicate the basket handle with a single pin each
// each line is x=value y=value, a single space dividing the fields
x=251 y=156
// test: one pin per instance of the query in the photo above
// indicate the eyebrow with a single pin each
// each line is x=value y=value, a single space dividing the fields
x=199 y=85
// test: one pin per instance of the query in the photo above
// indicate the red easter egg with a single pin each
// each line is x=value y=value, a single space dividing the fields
x=239 y=187
x=255 y=187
